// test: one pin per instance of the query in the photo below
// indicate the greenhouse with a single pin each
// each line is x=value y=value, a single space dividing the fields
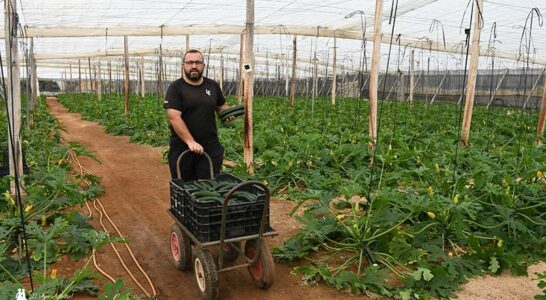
x=285 y=149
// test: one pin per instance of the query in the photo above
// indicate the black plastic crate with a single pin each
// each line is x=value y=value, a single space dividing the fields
x=177 y=200
x=234 y=228
x=203 y=219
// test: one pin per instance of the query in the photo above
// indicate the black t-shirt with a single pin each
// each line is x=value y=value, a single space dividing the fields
x=198 y=105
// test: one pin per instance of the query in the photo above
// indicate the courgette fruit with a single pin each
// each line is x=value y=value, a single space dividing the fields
x=226 y=111
x=209 y=198
x=236 y=113
x=201 y=194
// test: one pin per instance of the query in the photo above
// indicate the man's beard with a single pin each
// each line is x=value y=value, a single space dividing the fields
x=194 y=76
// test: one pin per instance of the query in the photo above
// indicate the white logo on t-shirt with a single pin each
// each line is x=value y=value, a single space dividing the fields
x=207 y=91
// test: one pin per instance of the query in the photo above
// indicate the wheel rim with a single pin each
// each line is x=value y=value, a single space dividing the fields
x=175 y=246
x=256 y=269
x=200 y=275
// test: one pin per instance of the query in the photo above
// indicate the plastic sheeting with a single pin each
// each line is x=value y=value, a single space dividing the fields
x=510 y=30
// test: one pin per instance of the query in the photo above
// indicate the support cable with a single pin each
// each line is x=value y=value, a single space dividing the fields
x=491 y=48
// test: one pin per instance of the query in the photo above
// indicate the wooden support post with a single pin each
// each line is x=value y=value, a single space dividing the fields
x=374 y=74
x=71 y=85
x=160 y=77
x=182 y=58
x=471 y=85
x=240 y=86
x=541 y=117
x=109 y=77
x=99 y=82
x=13 y=88
x=278 y=77
x=248 y=153
x=126 y=90
x=412 y=75
x=33 y=84
x=293 y=79
x=222 y=71
x=142 y=81
x=334 y=71
x=286 y=80
x=90 y=74
x=400 y=82
x=79 y=76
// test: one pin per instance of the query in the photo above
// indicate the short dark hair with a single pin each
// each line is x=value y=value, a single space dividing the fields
x=193 y=51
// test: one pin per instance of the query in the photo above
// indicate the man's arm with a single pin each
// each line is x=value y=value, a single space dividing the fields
x=222 y=107
x=175 y=118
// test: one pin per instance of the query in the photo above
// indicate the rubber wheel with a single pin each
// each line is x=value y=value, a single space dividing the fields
x=180 y=248
x=230 y=252
x=206 y=275
x=263 y=271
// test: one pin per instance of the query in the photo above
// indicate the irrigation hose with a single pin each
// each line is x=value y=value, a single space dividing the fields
x=102 y=211
x=90 y=214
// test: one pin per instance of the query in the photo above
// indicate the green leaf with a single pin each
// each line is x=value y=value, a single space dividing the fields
x=405 y=294
x=493 y=264
x=422 y=273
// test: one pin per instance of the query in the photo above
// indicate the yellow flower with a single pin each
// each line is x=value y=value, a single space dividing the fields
x=499 y=243
x=339 y=217
x=450 y=254
x=539 y=174
x=28 y=208
x=53 y=273
x=431 y=215
x=456 y=199
x=430 y=191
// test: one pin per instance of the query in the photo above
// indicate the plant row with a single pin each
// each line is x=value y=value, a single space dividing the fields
x=53 y=226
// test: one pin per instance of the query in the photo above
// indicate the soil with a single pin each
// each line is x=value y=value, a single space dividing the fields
x=136 y=198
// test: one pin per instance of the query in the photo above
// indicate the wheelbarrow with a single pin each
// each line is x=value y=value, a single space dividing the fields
x=256 y=255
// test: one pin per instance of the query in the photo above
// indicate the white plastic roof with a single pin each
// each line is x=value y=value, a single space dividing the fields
x=72 y=28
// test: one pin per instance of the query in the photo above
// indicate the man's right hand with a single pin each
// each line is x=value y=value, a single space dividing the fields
x=196 y=147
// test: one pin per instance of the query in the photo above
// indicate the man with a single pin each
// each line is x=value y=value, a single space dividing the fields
x=191 y=103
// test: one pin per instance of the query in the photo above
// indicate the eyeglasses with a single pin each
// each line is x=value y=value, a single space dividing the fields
x=191 y=63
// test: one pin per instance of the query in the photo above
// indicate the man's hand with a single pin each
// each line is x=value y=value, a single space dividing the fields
x=196 y=147
x=231 y=119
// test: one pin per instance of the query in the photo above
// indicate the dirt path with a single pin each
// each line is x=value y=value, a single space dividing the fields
x=137 y=198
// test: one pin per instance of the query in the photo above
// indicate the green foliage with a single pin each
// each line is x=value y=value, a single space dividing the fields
x=430 y=214
x=54 y=228
x=114 y=291
x=542 y=285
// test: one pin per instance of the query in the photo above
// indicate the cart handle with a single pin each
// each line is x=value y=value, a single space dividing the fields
x=224 y=219
x=179 y=159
